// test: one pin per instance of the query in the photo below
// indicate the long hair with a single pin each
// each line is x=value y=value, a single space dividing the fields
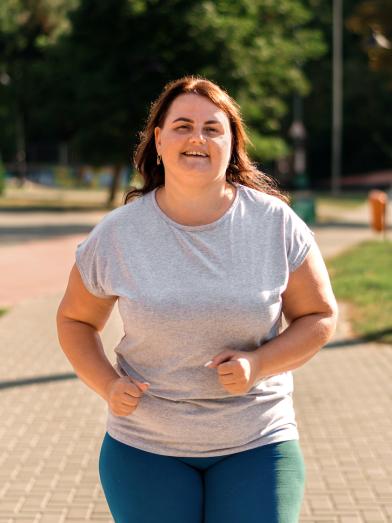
x=240 y=168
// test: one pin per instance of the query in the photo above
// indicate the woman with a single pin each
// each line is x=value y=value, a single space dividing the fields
x=203 y=261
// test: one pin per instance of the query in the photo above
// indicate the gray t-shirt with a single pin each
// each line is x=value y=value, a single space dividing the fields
x=185 y=293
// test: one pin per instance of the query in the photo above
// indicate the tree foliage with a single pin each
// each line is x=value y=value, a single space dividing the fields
x=85 y=72
x=121 y=53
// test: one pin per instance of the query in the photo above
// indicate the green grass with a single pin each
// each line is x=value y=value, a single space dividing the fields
x=362 y=276
x=3 y=311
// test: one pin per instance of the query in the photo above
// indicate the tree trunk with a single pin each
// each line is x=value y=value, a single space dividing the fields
x=20 y=146
x=116 y=178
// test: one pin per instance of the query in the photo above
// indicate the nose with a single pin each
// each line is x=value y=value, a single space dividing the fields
x=197 y=136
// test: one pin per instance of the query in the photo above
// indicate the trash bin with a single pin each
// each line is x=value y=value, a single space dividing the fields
x=378 y=206
x=304 y=204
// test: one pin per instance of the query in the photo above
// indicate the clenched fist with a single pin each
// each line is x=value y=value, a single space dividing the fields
x=124 y=394
x=237 y=370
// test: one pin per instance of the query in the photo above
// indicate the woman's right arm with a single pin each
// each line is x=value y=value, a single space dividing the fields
x=80 y=317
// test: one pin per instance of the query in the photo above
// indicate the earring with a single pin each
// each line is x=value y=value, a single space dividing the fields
x=158 y=159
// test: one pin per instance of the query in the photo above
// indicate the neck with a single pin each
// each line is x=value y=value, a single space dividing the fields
x=195 y=205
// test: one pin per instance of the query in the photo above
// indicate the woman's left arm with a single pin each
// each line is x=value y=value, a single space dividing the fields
x=310 y=309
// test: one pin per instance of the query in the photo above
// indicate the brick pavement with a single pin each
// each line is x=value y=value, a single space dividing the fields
x=38 y=247
x=53 y=424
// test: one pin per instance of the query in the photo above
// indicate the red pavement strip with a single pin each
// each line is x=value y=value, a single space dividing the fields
x=35 y=268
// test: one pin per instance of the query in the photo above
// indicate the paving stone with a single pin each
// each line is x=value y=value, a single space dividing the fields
x=374 y=515
x=53 y=518
x=350 y=518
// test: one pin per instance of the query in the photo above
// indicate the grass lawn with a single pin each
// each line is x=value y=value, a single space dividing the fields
x=362 y=277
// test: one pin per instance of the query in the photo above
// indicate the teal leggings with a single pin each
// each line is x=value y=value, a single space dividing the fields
x=261 y=485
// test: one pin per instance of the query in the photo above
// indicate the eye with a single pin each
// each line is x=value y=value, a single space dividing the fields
x=182 y=127
x=211 y=129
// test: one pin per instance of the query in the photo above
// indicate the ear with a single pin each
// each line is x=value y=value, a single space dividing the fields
x=157 y=135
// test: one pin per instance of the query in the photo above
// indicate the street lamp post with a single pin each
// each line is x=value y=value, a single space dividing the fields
x=297 y=132
x=303 y=201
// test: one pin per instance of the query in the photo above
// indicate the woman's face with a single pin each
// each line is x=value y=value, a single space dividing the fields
x=194 y=125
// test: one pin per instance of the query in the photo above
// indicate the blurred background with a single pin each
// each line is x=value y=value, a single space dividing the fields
x=77 y=78
x=313 y=79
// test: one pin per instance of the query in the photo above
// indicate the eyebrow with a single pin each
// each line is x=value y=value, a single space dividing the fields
x=191 y=121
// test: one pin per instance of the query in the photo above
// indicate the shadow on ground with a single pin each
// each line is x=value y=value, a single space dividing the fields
x=330 y=224
x=360 y=340
x=40 y=232
x=8 y=384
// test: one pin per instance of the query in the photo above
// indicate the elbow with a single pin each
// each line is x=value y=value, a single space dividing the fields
x=330 y=321
x=334 y=314
x=66 y=320
x=61 y=321
x=59 y=318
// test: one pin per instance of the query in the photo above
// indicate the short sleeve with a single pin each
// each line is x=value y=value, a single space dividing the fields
x=299 y=239
x=92 y=258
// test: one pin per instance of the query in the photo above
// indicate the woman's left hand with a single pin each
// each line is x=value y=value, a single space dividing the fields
x=237 y=370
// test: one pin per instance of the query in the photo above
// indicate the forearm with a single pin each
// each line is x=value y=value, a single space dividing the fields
x=82 y=345
x=302 y=339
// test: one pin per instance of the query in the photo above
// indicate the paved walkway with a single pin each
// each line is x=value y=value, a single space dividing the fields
x=52 y=424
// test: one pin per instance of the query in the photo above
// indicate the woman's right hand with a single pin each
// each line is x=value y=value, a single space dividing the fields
x=124 y=394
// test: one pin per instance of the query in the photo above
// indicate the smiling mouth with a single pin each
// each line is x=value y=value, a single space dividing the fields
x=195 y=156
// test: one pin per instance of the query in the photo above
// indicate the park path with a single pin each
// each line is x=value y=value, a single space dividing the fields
x=52 y=424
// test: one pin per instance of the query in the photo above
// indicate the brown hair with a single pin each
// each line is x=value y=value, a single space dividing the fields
x=240 y=168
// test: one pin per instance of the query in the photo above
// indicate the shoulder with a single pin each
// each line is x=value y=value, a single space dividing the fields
x=121 y=217
x=274 y=213
x=262 y=202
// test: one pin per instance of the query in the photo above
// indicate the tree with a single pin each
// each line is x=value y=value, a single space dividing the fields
x=26 y=29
